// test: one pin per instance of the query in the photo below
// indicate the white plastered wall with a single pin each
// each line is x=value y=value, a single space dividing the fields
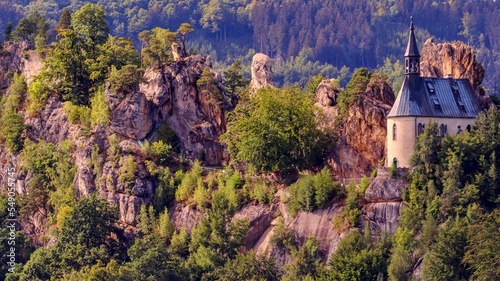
x=406 y=132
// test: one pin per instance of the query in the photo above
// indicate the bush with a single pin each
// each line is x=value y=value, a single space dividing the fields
x=12 y=123
x=158 y=151
x=283 y=236
x=99 y=111
x=38 y=93
x=201 y=195
x=127 y=170
x=189 y=182
x=78 y=114
x=312 y=192
x=263 y=193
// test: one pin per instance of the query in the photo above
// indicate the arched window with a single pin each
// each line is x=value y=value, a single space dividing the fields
x=459 y=129
x=420 y=129
x=442 y=129
x=468 y=128
x=394 y=132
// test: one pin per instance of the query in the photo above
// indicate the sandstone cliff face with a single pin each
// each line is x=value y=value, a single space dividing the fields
x=196 y=120
x=361 y=144
x=383 y=203
x=170 y=95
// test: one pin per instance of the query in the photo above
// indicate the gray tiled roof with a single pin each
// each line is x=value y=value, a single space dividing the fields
x=436 y=97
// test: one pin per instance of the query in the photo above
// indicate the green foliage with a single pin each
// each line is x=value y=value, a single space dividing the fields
x=189 y=182
x=53 y=170
x=350 y=214
x=16 y=239
x=262 y=192
x=156 y=46
x=207 y=86
x=312 y=192
x=38 y=93
x=201 y=195
x=249 y=267
x=99 y=110
x=127 y=170
x=31 y=27
x=78 y=114
x=359 y=258
x=64 y=20
x=483 y=247
x=158 y=151
x=306 y=262
x=12 y=123
x=283 y=235
x=394 y=72
x=233 y=78
x=125 y=80
x=444 y=261
x=216 y=239
x=118 y=55
x=275 y=130
x=401 y=261
x=89 y=22
x=355 y=87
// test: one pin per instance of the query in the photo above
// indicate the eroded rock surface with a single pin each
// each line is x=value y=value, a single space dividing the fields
x=362 y=132
x=262 y=71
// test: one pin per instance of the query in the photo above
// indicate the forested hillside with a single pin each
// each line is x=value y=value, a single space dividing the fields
x=126 y=155
x=305 y=37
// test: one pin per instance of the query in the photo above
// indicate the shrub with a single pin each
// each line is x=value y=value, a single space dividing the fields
x=99 y=111
x=78 y=114
x=283 y=236
x=189 y=182
x=312 y=192
x=11 y=122
x=127 y=170
x=201 y=195
x=263 y=193
x=159 y=151
x=38 y=93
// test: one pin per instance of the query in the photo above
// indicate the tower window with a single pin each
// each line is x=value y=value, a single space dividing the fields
x=442 y=129
x=394 y=132
x=420 y=129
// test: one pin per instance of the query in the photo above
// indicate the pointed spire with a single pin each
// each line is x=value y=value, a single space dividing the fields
x=412 y=49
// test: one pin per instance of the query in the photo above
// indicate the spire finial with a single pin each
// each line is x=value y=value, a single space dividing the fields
x=411 y=22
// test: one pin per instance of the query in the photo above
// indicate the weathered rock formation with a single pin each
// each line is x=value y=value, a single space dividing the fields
x=455 y=59
x=177 y=51
x=383 y=203
x=194 y=115
x=360 y=146
x=262 y=71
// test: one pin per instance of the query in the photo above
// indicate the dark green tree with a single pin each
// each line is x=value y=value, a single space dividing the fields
x=33 y=28
x=182 y=31
x=444 y=262
x=90 y=23
x=233 y=78
x=275 y=130
x=483 y=247
x=64 y=20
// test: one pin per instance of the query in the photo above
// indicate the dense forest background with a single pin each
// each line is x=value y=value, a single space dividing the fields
x=304 y=37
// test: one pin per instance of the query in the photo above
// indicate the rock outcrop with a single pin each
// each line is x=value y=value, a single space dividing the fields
x=262 y=71
x=360 y=146
x=383 y=203
x=192 y=114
